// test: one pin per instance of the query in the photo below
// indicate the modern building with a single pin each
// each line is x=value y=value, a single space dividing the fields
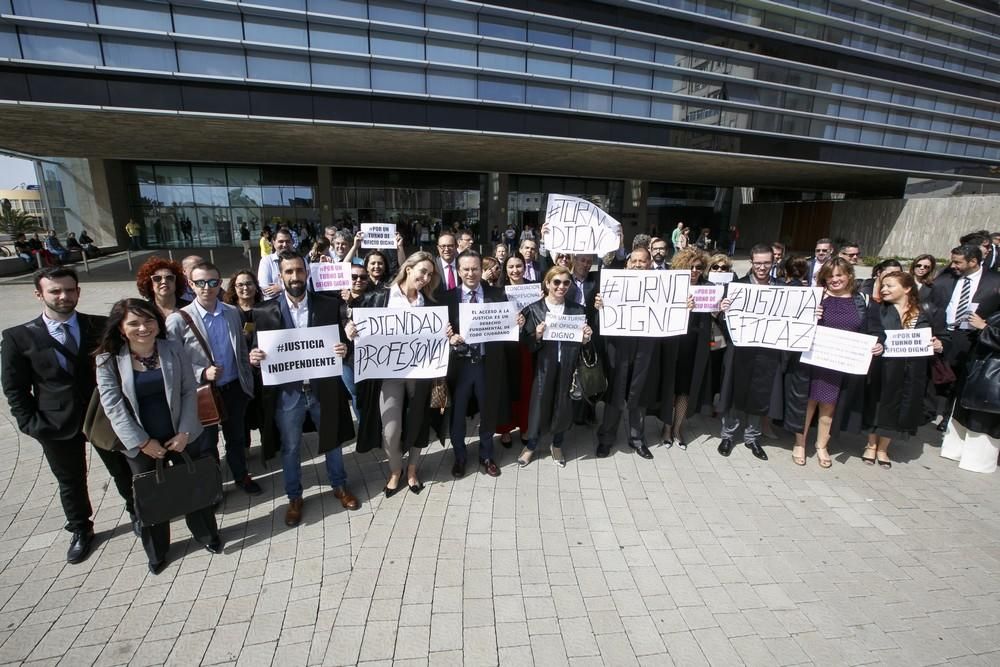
x=194 y=116
x=25 y=198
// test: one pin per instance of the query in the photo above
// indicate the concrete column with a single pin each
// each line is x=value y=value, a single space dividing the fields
x=497 y=191
x=324 y=195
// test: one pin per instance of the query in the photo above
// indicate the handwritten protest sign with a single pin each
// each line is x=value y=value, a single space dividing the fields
x=720 y=277
x=400 y=343
x=908 y=343
x=378 y=235
x=565 y=328
x=488 y=322
x=579 y=227
x=330 y=276
x=707 y=297
x=650 y=303
x=299 y=354
x=523 y=295
x=780 y=318
x=840 y=350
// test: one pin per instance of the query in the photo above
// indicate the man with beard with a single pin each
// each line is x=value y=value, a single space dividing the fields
x=286 y=405
x=268 y=275
x=658 y=249
x=629 y=359
x=48 y=378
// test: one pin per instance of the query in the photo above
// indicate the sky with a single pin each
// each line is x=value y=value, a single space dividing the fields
x=14 y=171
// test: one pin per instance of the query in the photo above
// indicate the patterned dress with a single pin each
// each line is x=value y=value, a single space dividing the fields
x=839 y=312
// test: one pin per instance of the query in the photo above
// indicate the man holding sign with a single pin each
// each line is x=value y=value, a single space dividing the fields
x=477 y=371
x=324 y=400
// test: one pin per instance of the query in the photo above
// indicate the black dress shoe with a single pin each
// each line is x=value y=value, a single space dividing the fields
x=726 y=446
x=214 y=547
x=458 y=470
x=416 y=488
x=757 y=450
x=643 y=451
x=136 y=524
x=249 y=486
x=490 y=467
x=603 y=451
x=79 y=546
x=156 y=568
x=389 y=493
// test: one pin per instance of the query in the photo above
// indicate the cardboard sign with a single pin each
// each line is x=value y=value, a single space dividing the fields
x=908 y=343
x=488 y=322
x=707 y=298
x=720 y=277
x=330 y=276
x=839 y=350
x=579 y=227
x=400 y=343
x=565 y=328
x=772 y=316
x=381 y=236
x=523 y=295
x=294 y=355
x=644 y=303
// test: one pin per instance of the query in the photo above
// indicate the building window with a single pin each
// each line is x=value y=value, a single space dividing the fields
x=633 y=76
x=132 y=14
x=628 y=48
x=586 y=99
x=191 y=21
x=631 y=105
x=399 y=79
x=548 y=35
x=446 y=19
x=549 y=66
x=81 y=11
x=212 y=61
x=501 y=90
x=269 y=30
x=397 y=46
x=139 y=54
x=9 y=47
x=586 y=41
x=341 y=73
x=267 y=66
x=451 y=84
x=353 y=8
x=548 y=95
x=392 y=11
x=585 y=70
x=457 y=53
x=336 y=38
x=495 y=26
x=502 y=59
x=63 y=47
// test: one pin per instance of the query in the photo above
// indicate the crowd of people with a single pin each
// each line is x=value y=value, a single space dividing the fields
x=189 y=328
x=50 y=251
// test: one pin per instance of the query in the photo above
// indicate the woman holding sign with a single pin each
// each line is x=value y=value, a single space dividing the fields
x=393 y=413
x=551 y=407
x=894 y=396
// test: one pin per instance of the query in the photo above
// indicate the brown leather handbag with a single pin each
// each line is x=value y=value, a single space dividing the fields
x=211 y=409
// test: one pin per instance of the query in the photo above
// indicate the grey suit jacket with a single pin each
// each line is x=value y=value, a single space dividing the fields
x=178 y=330
x=122 y=406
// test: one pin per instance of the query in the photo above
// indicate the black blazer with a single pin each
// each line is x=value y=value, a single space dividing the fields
x=47 y=401
x=944 y=288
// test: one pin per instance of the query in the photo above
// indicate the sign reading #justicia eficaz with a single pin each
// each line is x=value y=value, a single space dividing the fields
x=400 y=343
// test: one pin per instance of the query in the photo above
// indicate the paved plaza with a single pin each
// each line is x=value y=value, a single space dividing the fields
x=688 y=559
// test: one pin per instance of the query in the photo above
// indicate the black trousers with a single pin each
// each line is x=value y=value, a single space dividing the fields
x=67 y=460
x=471 y=381
x=233 y=429
x=201 y=523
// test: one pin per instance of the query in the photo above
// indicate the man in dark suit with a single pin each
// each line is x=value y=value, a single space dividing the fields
x=957 y=291
x=476 y=371
x=534 y=270
x=445 y=262
x=823 y=252
x=48 y=378
x=286 y=406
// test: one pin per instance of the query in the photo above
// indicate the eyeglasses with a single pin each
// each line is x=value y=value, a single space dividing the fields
x=851 y=254
x=561 y=283
x=211 y=283
x=825 y=251
x=245 y=285
x=356 y=277
x=761 y=265
x=445 y=247
x=159 y=279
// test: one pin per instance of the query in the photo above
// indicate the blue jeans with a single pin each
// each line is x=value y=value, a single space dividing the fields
x=290 y=419
x=347 y=376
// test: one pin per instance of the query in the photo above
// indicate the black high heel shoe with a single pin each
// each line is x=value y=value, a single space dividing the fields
x=416 y=488
x=389 y=493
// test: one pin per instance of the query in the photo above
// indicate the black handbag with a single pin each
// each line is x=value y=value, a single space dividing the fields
x=982 y=386
x=589 y=381
x=175 y=490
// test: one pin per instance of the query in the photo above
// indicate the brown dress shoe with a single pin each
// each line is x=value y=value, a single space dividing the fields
x=293 y=515
x=348 y=501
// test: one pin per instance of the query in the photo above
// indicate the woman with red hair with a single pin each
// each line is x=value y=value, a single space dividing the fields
x=161 y=282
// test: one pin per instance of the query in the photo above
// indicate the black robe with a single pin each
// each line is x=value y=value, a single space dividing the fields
x=987 y=346
x=699 y=334
x=896 y=386
x=336 y=426
x=551 y=406
x=416 y=425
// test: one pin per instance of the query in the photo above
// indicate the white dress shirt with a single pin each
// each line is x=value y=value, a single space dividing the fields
x=956 y=295
x=268 y=273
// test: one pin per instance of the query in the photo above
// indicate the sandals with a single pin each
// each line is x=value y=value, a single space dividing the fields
x=525 y=457
x=799 y=460
x=869 y=460
x=886 y=464
x=823 y=463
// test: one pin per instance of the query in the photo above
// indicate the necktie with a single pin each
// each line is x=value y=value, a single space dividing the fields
x=529 y=271
x=472 y=296
x=963 y=301
x=451 y=277
x=69 y=341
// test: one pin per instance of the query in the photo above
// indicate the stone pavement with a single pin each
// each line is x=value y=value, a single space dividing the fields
x=687 y=559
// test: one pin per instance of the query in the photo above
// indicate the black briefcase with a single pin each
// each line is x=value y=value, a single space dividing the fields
x=175 y=490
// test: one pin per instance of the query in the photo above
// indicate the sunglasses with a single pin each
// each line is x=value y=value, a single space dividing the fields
x=358 y=278
x=245 y=285
x=718 y=267
x=922 y=266
x=851 y=254
x=560 y=283
x=698 y=267
x=159 y=279
x=211 y=283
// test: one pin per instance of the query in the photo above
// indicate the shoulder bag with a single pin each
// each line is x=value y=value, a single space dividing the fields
x=982 y=385
x=96 y=425
x=589 y=380
x=211 y=409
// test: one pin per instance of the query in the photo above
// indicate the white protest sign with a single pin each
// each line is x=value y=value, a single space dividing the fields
x=400 y=343
x=772 y=316
x=707 y=297
x=568 y=328
x=908 y=343
x=523 y=295
x=721 y=277
x=488 y=322
x=644 y=303
x=839 y=350
x=299 y=354
x=378 y=235
x=330 y=276
x=576 y=226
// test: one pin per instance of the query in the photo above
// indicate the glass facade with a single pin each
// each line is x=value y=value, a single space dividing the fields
x=501 y=56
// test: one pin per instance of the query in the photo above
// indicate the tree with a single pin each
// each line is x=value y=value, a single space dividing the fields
x=15 y=221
